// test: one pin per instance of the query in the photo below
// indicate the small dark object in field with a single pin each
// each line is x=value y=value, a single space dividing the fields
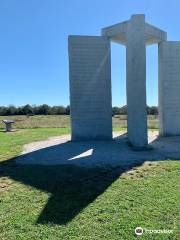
x=30 y=115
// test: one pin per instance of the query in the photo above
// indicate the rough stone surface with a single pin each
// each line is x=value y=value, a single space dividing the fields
x=113 y=153
x=169 y=88
x=90 y=87
x=136 y=81
x=90 y=81
x=117 y=33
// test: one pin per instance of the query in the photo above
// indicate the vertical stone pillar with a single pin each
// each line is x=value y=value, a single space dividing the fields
x=136 y=81
x=90 y=87
x=169 y=87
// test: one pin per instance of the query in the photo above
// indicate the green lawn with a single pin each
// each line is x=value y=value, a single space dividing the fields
x=68 y=202
x=11 y=143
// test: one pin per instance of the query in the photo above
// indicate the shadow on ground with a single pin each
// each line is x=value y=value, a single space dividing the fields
x=73 y=186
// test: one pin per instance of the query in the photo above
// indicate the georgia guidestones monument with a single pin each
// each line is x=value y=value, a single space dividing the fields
x=90 y=81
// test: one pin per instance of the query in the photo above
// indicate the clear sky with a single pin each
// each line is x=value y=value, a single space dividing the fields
x=33 y=45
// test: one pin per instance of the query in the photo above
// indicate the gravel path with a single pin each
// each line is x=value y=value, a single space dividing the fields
x=60 y=150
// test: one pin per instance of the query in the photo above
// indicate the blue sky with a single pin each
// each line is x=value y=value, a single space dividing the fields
x=33 y=45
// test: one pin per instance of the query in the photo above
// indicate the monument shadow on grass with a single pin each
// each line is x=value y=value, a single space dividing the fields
x=72 y=187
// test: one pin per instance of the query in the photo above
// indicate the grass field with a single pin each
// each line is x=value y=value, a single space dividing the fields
x=68 y=202
x=51 y=121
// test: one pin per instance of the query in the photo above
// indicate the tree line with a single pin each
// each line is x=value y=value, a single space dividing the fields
x=151 y=110
x=45 y=109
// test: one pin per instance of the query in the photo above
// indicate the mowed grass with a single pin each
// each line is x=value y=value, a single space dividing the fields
x=66 y=202
x=11 y=144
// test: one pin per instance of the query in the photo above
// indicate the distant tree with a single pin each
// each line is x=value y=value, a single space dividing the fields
x=44 y=109
x=119 y=110
x=153 y=110
x=123 y=110
x=27 y=109
x=68 y=110
x=3 y=111
x=11 y=110
x=115 y=111
x=54 y=110
x=61 y=110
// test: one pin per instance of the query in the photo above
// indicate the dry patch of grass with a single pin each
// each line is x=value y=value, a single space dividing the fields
x=5 y=184
x=39 y=121
x=145 y=170
x=63 y=121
